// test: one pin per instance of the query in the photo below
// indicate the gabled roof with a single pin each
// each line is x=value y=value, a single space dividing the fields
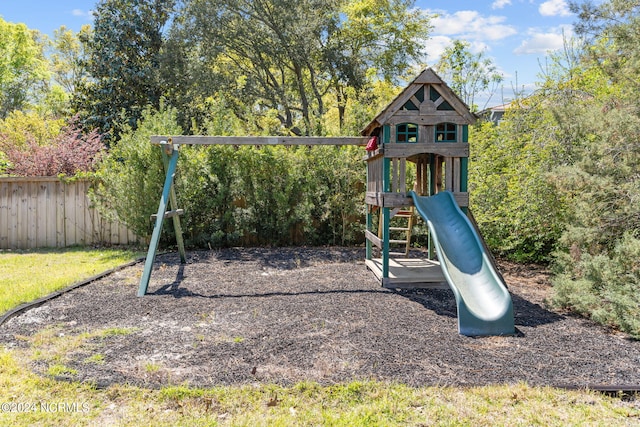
x=426 y=77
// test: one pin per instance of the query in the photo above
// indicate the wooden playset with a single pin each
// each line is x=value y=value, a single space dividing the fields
x=426 y=126
x=417 y=163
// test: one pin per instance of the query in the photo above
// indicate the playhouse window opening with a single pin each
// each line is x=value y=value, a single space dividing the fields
x=407 y=132
x=445 y=106
x=446 y=132
x=410 y=106
x=434 y=95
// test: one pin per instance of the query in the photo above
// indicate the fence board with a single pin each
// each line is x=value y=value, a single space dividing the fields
x=42 y=231
x=61 y=234
x=70 y=214
x=46 y=212
x=4 y=214
x=52 y=235
x=23 y=212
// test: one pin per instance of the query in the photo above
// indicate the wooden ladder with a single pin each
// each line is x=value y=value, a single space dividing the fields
x=403 y=214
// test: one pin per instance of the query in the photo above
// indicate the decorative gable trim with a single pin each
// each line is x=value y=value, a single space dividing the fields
x=405 y=102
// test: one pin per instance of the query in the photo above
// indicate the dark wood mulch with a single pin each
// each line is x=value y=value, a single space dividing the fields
x=286 y=315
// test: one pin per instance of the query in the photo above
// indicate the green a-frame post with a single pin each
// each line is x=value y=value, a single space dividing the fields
x=170 y=159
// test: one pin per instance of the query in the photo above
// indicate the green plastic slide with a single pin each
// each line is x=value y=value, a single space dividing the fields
x=484 y=303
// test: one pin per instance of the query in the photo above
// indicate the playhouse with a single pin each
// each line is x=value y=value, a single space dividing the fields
x=425 y=127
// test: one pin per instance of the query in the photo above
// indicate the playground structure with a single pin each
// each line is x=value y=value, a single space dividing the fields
x=426 y=125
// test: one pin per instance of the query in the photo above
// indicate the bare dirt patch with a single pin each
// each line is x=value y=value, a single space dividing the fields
x=241 y=316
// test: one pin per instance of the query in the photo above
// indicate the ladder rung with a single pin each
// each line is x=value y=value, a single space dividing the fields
x=398 y=241
x=169 y=214
x=399 y=229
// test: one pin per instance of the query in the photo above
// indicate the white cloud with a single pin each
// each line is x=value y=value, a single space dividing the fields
x=554 y=8
x=435 y=46
x=467 y=25
x=82 y=13
x=471 y=26
x=540 y=43
x=544 y=42
x=499 y=4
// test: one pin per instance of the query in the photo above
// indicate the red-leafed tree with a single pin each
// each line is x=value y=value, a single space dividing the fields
x=69 y=153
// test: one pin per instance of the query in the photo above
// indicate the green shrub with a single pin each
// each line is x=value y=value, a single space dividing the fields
x=205 y=187
x=512 y=197
x=604 y=286
x=130 y=178
x=19 y=127
x=269 y=195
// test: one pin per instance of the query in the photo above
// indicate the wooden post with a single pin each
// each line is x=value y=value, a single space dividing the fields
x=418 y=185
x=403 y=176
x=426 y=177
x=456 y=175
x=434 y=167
x=174 y=206
x=386 y=218
x=369 y=248
x=464 y=174
x=448 y=173
x=155 y=236
x=395 y=175
x=370 y=177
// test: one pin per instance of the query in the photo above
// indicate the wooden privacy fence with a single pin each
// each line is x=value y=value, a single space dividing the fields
x=38 y=212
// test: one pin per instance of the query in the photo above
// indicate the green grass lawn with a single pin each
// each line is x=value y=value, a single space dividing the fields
x=29 y=275
x=28 y=399
x=367 y=403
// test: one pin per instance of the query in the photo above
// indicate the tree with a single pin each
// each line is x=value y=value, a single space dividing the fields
x=597 y=268
x=122 y=62
x=67 y=55
x=610 y=28
x=271 y=44
x=69 y=153
x=23 y=67
x=468 y=74
x=374 y=38
x=19 y=126
x=292 y=57
x=512 y=196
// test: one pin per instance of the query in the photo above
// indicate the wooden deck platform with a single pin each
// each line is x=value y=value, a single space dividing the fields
x=407 y=273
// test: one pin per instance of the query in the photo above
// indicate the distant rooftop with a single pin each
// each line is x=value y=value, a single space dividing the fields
x=495 y=113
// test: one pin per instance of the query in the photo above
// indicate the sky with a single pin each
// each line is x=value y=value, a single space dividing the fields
x=516 y=35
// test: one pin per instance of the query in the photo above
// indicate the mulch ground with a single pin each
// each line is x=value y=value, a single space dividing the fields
x=242 y=316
